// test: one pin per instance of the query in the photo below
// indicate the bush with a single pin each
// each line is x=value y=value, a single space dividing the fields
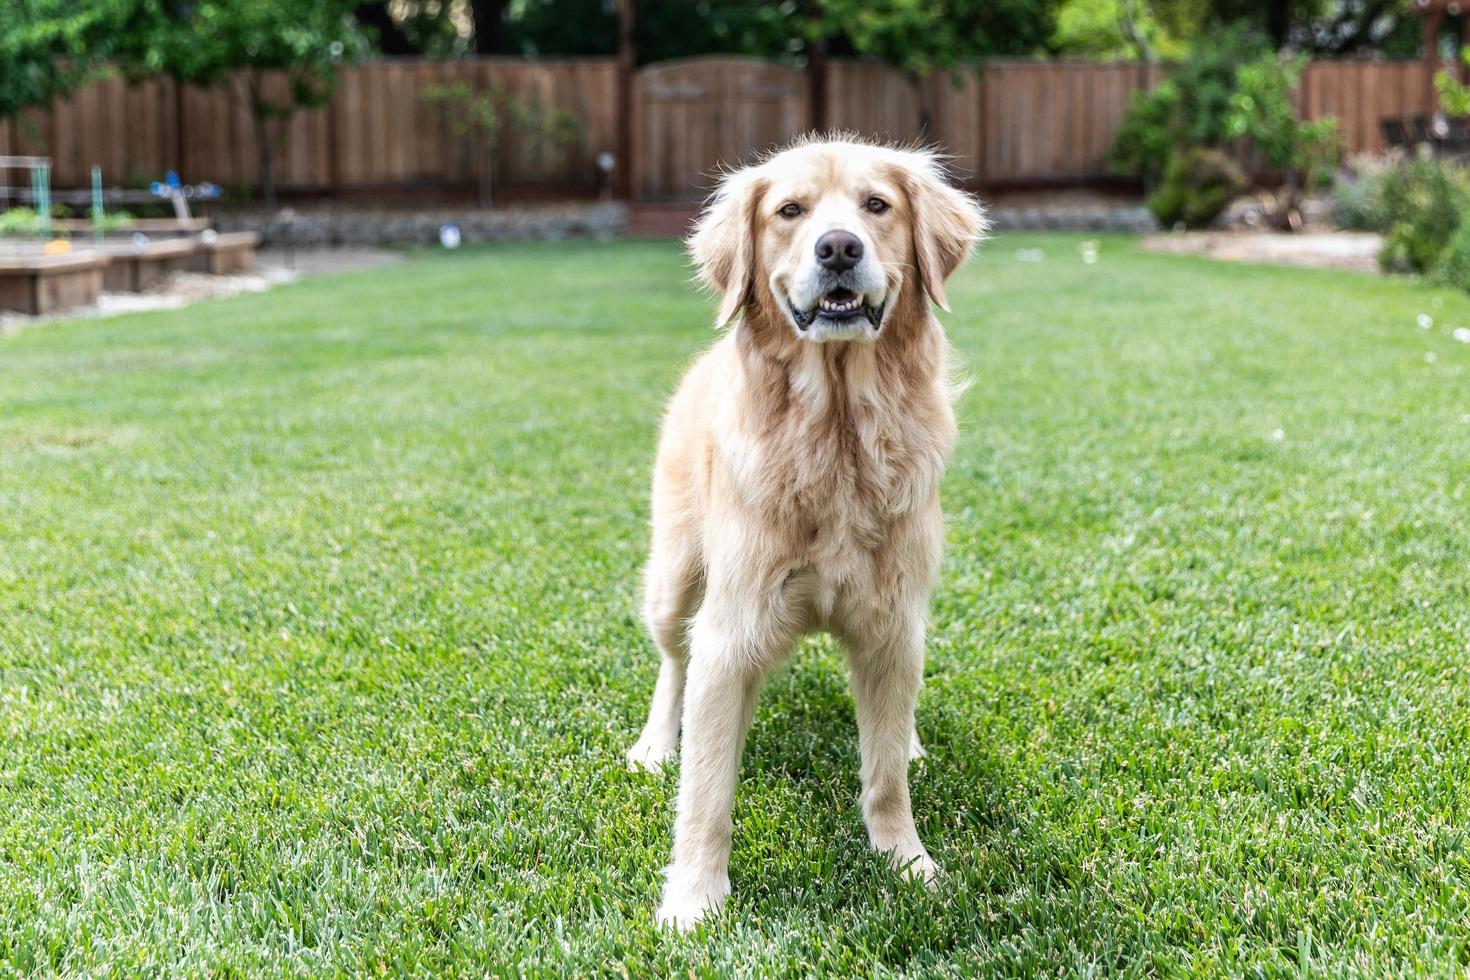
x=1422 y=200
x=1190 y=108
x=1453 y=267
x=1198 y=185
x=1357 y=195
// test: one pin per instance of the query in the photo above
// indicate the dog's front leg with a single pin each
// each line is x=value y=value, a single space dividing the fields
x=886 y=674
x=719 y=697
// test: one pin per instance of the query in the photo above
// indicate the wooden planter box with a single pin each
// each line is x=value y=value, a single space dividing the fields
x=226 y=255
x=37 y=284
x=134 y=269
x=81 y=228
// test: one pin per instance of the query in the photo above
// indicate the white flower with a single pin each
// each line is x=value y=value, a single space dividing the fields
x=1430 y=357
x=1462 y=334
x=1426 y=322
x=1277 y=435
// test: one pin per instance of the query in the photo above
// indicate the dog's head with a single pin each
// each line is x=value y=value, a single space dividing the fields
x=828 y=234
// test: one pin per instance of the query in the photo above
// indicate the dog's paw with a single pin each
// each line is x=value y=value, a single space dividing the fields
x=920 y=868
x=913 y=865
x=690 y=897
x=649 y=755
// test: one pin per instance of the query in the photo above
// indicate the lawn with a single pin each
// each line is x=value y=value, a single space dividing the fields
x=319 y=645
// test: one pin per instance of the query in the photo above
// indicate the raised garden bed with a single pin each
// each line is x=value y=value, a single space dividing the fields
x=36 y=284
x=229 y=254
x=134 y=268
x=152 y=227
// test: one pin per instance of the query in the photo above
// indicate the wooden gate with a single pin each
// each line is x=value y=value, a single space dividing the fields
x=695 y=115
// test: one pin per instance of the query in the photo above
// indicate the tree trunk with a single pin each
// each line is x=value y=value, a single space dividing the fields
x=1132 y=33
x=1278 y=22
x=489 y=18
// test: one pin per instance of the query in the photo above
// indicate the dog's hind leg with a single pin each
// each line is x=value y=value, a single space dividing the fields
x=674 y=584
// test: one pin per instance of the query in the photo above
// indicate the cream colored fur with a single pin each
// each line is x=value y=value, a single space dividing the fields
x=797 y=487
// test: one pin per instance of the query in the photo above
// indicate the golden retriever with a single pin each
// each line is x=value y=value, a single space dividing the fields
x=797 y=480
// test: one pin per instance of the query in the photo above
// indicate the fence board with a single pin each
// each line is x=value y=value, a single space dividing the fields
x=1000 y=122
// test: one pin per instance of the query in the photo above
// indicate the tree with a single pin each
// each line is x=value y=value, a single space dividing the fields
x=1190 y=108
x=1157 y=30
x=1261 y=111
x=210 y=42
x=481 y=115
x=921 y=36
x=48 y=47
x=388 y=35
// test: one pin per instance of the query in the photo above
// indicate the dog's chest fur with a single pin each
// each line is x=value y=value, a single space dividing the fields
x=853 y=441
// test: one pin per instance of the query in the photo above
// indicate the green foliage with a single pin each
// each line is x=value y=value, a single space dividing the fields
x=921 y=35
x=1198 y=185
x=208 y=41
x=24 y=223
x=1423 y=199
x=1454 y=97
x=1357 y=194
x=1262 y=111
x=114 y=221
x=485 y=115
x=1122 y=29
x=1190 y=108
x=913 y=35
x=1452 y=268
x=48 y=47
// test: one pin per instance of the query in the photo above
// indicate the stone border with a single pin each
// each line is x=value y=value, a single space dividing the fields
x=313 y=228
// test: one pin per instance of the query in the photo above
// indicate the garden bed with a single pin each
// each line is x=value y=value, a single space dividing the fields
x=134 y=268
x=36 y=284
x=152 y=227
x=229 y=254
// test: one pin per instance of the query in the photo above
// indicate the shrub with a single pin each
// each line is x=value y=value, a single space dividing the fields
x=1198 y=185
x=1357 y=194
x=1453 y=266
x=1422 y=199
x=1263 y=110
x=1190 y=108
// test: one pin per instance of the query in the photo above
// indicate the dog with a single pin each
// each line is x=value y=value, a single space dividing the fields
x=796 y=486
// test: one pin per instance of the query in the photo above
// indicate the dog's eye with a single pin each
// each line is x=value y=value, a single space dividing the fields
x=876 y=205
x=790 y=210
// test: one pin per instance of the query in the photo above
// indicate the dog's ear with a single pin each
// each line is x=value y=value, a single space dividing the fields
x=723 y=243
x=948 y=223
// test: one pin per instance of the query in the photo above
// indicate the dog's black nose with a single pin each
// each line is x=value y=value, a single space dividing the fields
x=839 y=250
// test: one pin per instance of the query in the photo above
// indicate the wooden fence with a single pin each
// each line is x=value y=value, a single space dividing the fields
x=1004 y=122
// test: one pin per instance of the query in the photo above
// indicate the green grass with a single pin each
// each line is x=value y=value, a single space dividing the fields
x=319 y=645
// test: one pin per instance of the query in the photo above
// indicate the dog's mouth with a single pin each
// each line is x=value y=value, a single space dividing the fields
x=839 y=306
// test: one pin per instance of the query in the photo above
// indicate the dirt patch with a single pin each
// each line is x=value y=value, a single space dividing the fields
x=1323 y=250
